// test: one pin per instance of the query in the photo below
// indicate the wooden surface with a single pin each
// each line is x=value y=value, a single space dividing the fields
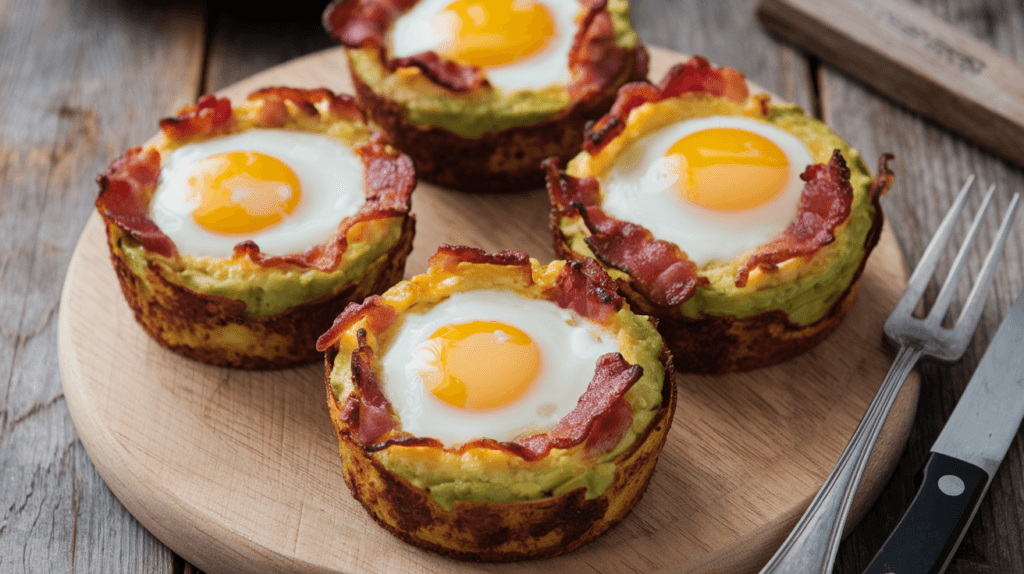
x=915 y=58
x=82 y=81
x=238 y=471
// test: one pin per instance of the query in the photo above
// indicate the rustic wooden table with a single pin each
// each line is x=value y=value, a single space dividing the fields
x=82 y=81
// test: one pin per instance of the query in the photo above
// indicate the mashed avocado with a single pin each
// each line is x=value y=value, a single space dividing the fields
x=269 y=291
x=803 y=288
x=488 y=475
x=473 y=114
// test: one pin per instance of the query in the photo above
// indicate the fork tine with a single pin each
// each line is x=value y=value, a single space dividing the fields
x=979 y=293
x=942 y=301
x=930 y=258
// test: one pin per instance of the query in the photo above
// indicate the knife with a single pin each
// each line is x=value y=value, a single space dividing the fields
x=963 y=459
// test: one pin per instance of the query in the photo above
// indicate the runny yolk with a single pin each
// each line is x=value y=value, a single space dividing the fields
x=241 y=192
x=729 y=169
x=494 y=33
x=480 y=365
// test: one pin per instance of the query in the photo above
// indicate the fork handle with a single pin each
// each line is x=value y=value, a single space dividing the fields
x=811 y=546
x=934 y=524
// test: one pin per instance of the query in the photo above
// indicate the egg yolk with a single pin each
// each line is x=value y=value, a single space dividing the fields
x=241 y=192
x=729 y=169
x=480 y=365
x=494 y=33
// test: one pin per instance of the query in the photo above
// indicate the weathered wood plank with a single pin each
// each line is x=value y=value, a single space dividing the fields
x=244 y=41
x=932 y=163
x=726 y=33
x=79 y=82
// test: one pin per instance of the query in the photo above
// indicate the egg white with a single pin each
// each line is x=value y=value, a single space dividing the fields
x=331 y=177
x=569 y=347
x=414 y=32
x=639 y=189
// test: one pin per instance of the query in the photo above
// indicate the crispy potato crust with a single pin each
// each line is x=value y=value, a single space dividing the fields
x=504 y=161
x=216 y=330
x=500 y=532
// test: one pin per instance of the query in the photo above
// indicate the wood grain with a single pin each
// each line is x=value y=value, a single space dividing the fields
x=932 y=163
x=916 y=59
x=238 y=471
x=56 y=514
x=78 y=82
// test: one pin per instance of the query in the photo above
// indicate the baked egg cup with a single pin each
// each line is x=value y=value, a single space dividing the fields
x=488 y=499
x=768 y=304
x=253 y=310
x=466 y=133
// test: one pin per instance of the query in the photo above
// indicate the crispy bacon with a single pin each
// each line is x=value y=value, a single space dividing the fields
x=124 y=195
x=612 y=378
x=448 y=257
x=696 y=75
x=594 y=59
x=362 y=23
x=374 y=416
x=824 y=204
x=274 y=113
x=883 y=181
x=454 y=76
x=379 y=317
x=584 y=287
x=209 y=116
x=661 y=270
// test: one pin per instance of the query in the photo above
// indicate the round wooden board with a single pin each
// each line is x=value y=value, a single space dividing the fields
x=239 y=472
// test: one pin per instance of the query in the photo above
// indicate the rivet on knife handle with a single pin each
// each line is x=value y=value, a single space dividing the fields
x=930 y=531
x=914 y=58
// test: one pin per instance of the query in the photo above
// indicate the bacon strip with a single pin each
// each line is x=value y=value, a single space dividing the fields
x=661 y=270
x=696 y=75
x=448 y=257
x=208 y=116
x=825 y=203
x=454 y=76
x=379 y=317
x=374 y=417
x=274 y=112
x=362 y=23
x=584 y=287
x=612 y=378
x=595 y=59
x=124 y=195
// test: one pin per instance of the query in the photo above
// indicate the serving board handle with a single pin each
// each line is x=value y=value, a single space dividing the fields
x=914 y=58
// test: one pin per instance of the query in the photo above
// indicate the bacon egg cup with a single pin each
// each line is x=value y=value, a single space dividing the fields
x=731 y=292
x=249 y=307
x=481 y=116
x=484 y=484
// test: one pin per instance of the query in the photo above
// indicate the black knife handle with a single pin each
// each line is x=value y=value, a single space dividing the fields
x=931 y=529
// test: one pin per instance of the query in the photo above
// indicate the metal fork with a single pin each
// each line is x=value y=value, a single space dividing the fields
x=811 y=546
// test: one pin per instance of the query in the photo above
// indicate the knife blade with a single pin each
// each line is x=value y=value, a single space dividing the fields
x=963 y=459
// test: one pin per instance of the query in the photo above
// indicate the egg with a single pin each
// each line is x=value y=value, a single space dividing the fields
x=285 y=190
x=490 y=364
x=716 y=186
x=521 y=44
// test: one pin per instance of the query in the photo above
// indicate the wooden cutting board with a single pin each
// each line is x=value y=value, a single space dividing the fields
x=239 y=472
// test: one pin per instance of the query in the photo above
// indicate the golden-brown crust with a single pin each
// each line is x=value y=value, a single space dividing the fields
x=500 y=532
x=216 y=330
x=508 y=160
